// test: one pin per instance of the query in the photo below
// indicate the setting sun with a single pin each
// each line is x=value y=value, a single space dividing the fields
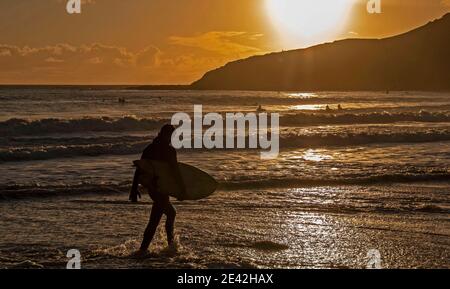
x=308 y=19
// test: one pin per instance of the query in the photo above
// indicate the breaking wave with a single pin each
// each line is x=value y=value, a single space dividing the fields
x=13 y=192
x=17 y=127
x=302 y=119
x=329 y=181
x=64 y=151
x=22 y=127
x=20 y=191
x=53 y=148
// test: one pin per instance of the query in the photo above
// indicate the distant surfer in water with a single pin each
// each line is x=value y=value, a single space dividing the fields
x=260 y=109
x=160 y=150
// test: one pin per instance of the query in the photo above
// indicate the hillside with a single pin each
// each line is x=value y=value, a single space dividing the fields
x=416 y=60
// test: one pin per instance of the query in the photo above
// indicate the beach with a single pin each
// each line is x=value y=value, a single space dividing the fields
x=319 y=227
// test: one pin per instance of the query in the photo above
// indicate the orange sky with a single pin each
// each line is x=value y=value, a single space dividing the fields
x=171 y=41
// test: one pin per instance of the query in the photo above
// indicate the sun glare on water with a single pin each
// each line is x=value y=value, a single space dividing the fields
x=308 y=18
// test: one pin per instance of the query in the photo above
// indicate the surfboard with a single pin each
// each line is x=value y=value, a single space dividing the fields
x=199 y=184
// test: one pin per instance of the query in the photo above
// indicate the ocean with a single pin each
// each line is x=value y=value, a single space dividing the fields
x=372 y=176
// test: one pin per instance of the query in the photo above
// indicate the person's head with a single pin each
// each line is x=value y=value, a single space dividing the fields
x=165 y=134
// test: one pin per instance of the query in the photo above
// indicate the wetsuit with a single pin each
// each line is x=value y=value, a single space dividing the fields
x=161 y=151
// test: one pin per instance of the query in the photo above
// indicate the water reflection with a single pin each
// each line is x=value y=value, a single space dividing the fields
x=313 y=156
x=309 y=107
x=303 y=95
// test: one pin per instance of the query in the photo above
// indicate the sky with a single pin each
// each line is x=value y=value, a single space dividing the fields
x=177 y=41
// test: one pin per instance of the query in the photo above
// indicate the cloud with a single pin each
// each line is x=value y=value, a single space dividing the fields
x=65 y=63
x=149 y=57
x=183 y=60
x=222 y=42
x=54 y=60
x=99 y=63
x=17 y=57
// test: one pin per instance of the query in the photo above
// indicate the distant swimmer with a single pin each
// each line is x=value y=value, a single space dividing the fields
x=122 y=100
x=328 y=108
x=260 y=109
x=340 y=107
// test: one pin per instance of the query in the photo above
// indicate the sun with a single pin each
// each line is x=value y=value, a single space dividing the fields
x=308 y=19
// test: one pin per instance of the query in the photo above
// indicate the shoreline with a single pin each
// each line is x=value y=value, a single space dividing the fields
x=187 y=87
x=289 y=230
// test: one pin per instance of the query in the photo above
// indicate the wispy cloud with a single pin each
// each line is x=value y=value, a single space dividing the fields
x=67 y=63
x=222 y=42
x=445 y=3
x=183 y=60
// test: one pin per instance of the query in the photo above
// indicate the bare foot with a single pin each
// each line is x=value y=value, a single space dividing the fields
x=139 y=254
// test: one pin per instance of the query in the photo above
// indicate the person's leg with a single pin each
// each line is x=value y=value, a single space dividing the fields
x=155 y=218
x=170 y=221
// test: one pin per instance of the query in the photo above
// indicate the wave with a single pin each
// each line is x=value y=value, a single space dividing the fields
x=263 y=190
x=18 y=192
x=54 y=148
x=363 y=138
x=303 y=119
x=22 y=127
x=17 y=127
x=61 y=151
x=69 y=140
x=329 y=181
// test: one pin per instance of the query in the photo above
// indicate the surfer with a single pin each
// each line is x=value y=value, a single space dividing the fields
x=160 y=150
x=260 y=109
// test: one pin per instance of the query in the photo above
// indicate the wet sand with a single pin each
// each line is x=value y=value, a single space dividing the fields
x=316 y=227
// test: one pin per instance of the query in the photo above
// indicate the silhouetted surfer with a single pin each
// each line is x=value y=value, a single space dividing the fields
x=161 y=150
x=260 y=109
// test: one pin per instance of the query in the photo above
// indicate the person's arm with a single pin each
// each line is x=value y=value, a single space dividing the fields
x=176 y=173
x=134 y=193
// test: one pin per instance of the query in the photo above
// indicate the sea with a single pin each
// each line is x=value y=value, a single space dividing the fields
x=373 y=176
